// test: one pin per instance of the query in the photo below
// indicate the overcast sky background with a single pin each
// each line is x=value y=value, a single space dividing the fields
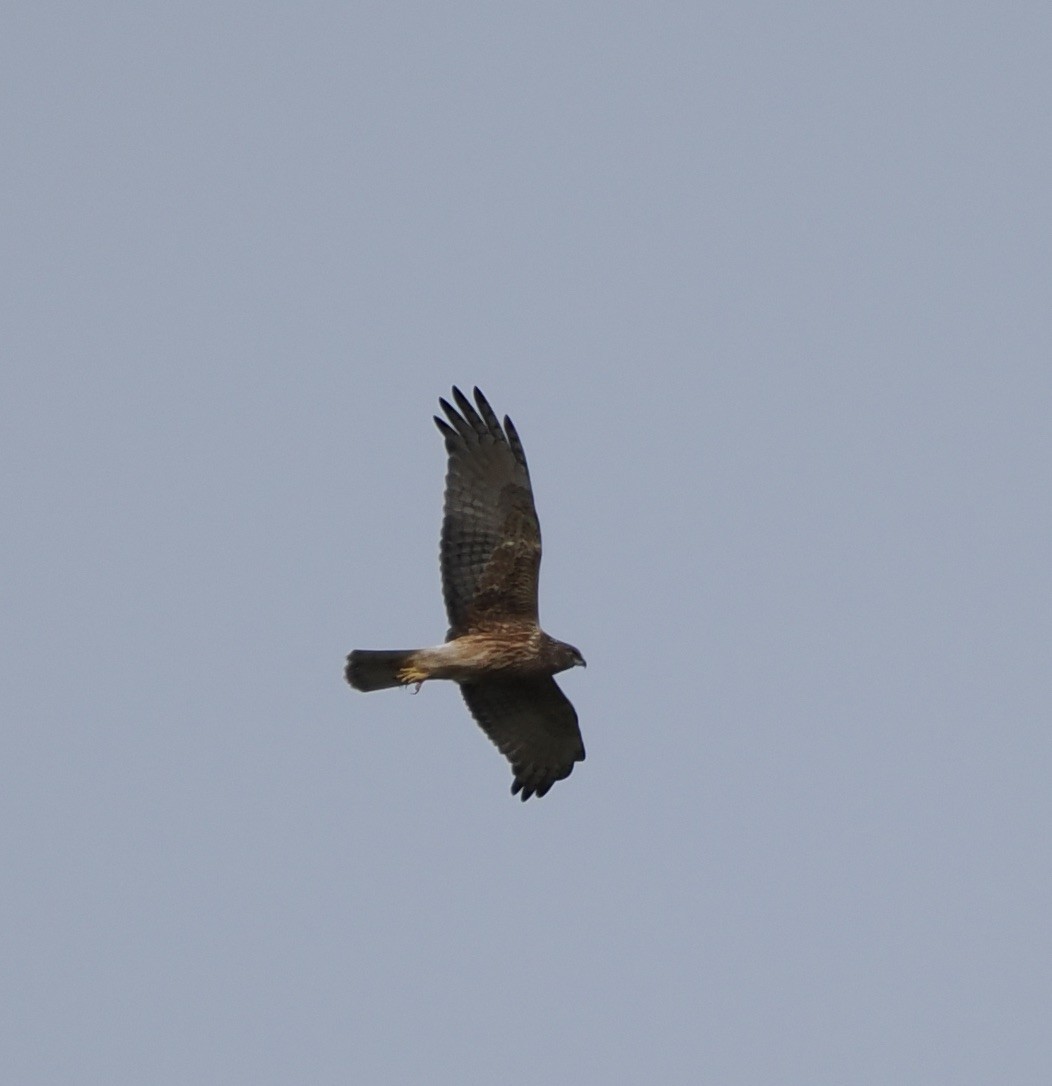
x=766 y=289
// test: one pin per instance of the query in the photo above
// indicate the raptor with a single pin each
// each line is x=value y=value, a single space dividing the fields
x=495 y=648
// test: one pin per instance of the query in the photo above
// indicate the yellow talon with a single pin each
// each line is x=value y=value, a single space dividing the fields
x=412 y=674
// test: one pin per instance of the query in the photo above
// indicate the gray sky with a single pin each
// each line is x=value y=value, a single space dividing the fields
x=766 y=289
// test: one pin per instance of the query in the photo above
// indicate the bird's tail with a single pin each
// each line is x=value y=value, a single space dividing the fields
x=378 y=669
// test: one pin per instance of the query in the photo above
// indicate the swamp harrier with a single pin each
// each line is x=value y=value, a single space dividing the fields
x=495 y=648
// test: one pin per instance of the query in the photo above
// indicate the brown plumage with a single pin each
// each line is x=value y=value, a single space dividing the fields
x=495 y=648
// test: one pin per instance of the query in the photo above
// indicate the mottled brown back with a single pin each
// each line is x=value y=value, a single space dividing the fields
x=491 y=539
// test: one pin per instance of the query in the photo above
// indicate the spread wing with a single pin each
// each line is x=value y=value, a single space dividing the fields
x=491 y=540
x=533 y=724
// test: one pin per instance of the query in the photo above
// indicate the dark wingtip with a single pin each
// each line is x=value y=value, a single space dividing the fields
x=481 y=419
x=521 y=789
x=489 y=417
x=515 y=441
x=460 y=422
x=527 y=785
x=450 y=438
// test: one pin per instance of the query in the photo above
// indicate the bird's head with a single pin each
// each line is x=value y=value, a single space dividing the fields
x=571 y=657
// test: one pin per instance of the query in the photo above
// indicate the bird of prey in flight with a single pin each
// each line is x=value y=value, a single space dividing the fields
x=495 y=648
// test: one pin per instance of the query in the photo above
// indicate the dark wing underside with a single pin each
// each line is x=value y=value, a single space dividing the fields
x=491 y=540
x=534 y=726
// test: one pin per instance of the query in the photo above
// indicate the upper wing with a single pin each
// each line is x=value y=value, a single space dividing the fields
x=533 y=724
x=491 y=540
